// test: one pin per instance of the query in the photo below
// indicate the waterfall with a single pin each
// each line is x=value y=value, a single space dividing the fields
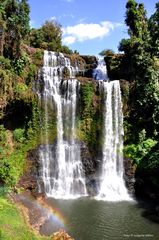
x=100 y=72
x=112 y=187
x=61 y=167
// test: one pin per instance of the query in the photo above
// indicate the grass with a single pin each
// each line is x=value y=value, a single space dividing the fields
x=12 y=223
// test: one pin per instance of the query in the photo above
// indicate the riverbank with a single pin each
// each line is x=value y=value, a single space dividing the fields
x=21 y=222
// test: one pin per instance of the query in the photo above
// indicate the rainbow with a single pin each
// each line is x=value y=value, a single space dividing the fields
x=53 y=213
x=58 y=217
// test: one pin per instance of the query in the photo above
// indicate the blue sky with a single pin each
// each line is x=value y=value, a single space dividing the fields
x=88 y=26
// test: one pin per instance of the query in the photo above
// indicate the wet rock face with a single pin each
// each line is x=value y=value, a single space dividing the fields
x=88 y=163
x=129 y=175
x=30 y=181
x=91 y=166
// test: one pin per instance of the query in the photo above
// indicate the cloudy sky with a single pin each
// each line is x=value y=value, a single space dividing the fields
x=89 y=26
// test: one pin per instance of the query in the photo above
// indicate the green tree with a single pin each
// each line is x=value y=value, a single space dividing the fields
x=16 y=16
x=154 y=31
x=107 y=52
x=36 y=38
x=136 y=47
x=66 y=49
x=140 y=62
x=52 y=35
x=47 y=37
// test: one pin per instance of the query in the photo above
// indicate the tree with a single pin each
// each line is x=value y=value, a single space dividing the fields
x=154 y=31
x=106 y=52
x=36 y=38
x=66 y=49
x=136 y=19
x=2 y=27
x=47 y=37
x=139 y=61
x=136 y=47
x=17 y=26
x=52 y=35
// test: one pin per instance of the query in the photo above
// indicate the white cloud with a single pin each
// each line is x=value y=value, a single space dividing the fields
x=53 y=18
x=69 y=40
x=82 y=32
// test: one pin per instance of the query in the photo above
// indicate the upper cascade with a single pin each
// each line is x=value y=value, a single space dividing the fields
x=58 y=63
x=100 y=72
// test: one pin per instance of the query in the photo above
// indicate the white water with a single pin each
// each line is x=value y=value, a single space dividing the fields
x=100 y=72
x=61 y=172
x=112 y=187
x=61 y=167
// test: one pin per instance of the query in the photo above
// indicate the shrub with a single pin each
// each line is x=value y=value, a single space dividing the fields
x=3 y=135
x=137 y=151
x=19 y=135
x=5 y=63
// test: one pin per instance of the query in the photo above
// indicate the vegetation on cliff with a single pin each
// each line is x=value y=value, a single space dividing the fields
x=141 y=58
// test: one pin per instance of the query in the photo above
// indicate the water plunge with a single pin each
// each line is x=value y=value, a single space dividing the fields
x=61 y=167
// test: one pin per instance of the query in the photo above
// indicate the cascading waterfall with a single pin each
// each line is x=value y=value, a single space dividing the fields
x=100 y=72
x=61 y=169
x=112 y=187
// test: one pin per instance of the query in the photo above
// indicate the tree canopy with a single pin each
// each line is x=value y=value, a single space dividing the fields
x=141 y=58
x=14 y=26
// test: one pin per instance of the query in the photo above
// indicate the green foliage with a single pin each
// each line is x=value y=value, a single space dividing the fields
x=137 y=151
x=136 y=47
x=107 y=52
x=21 y=87
x=47 y=37
x=36 y=38
x=136 y=19
x=114 y=66
x=12 y=161
x=12 y=223
x=16 y=17
x=87 y=92
x=140 y=57
x=38 y=57
x=154 y=31
x=3 y=135
x=19 y=135
x=150 y=161
x=6 y=85
x=5 y=63
x=20 y=63
x=15 y=145
x=66 y=49
x=32 y=73
x=90 y=120
x=32 y=128
x=12 y=167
